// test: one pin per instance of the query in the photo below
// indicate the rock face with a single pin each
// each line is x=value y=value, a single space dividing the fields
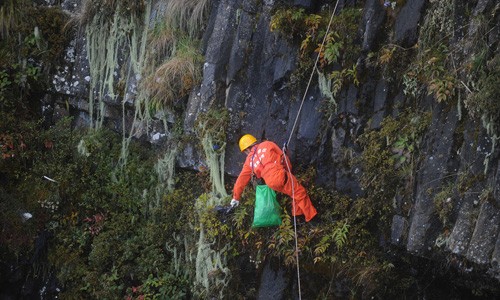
x=246 y=70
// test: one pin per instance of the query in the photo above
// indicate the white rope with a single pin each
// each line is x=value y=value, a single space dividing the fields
x=288 y=142
x=312 y=73
x=294 y=209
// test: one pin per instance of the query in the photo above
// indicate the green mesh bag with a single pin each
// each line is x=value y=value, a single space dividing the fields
x=267 y=209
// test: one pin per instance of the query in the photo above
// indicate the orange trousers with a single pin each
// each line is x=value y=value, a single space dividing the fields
x=280 y=180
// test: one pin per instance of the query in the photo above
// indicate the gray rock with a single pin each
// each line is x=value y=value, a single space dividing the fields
x=71 y=5
x=347 y=102
x=496 y=184
x=424 y=225
x=485 y=234
x=495 y=260
x=458 y=241
x=379 y=104
x=471 y=162
x=273 y=283
x=482 y=6
x=407 y=23
x=241 y=45
x=373 y=18
x=399 y=229
x=303 y=3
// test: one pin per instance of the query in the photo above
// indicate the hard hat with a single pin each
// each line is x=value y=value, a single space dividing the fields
x=246 y=141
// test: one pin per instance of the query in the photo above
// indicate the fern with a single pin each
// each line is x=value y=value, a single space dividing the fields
x=322 y=245
x=340 y=235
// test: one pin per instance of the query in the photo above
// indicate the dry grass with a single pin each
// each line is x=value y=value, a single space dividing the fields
x=8 y=16
x=87 y=12
x=187 y=15
x=161 y=41
x=90 y=8
x=176 y=77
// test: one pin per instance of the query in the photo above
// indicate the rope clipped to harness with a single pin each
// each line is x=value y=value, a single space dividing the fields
x=288 y=143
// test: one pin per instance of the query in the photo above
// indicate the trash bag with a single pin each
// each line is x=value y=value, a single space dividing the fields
x=267 y=209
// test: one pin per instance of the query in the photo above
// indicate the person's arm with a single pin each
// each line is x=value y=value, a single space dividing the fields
x=242 y=181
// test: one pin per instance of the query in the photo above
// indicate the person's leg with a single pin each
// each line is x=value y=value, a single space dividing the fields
x=281 y=181
x=302 y=201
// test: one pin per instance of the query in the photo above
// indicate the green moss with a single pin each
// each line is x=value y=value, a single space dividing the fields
x=28 y=57
x=443 y=203
x=482 y=101
x=341 y=48
x=466 y=181
x=389 y=157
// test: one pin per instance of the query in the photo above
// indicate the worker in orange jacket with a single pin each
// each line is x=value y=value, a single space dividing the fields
x=266 y=161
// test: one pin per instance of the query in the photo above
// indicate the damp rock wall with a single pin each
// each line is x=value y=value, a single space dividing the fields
x=247 y=70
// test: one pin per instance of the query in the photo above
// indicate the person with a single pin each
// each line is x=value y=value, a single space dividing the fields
x=266 y=160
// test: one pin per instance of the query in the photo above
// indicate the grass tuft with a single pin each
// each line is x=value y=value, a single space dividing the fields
x=187 y=15
x=174 y=78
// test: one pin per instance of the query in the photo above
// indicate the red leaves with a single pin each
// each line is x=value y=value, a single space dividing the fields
x=48 y=144
x=96 y=223
x=6 y=145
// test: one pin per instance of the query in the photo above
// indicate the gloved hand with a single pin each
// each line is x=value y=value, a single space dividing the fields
x=235 y=203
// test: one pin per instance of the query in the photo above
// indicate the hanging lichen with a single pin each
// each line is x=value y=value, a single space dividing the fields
x=325 y=87
x=165 y=170
x=212 y=273
x=212 y=138
x=105 y=39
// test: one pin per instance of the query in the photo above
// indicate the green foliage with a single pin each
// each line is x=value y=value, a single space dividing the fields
x=443 y=202
x=434 y=66
x=187 y=16
x=390 y=155
x=106 y=239
x=482 y=101
x=211 y=123
x=291 y=22
x=166 y=286
x=340 y=50
x=28 y=57
x=337 y=236
x=107 y=8
x=437 y=27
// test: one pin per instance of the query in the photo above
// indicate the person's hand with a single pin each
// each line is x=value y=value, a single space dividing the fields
x=235 y=203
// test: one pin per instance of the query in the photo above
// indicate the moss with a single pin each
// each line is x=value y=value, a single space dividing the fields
x=30 y=56
x=482 y=101
x=443 y=203
x=389 y=157
x=437 y=27
x=341 y=48
x=211 y=123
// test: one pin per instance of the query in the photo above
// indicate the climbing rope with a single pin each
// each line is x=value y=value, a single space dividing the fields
x=288 y=142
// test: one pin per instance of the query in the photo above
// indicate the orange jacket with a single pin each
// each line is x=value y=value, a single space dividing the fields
x=262 y=156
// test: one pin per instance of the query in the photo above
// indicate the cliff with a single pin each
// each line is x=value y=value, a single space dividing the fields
x=402 y=110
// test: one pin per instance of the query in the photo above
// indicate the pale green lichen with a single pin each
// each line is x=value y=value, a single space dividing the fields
x=215 y=162
x=325 y=87
x=437 y=25
x=165 y=171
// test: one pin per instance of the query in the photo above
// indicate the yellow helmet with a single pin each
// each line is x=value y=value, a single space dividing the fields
x=246 y=141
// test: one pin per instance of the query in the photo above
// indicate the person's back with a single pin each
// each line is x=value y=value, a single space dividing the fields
x=265 y=155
